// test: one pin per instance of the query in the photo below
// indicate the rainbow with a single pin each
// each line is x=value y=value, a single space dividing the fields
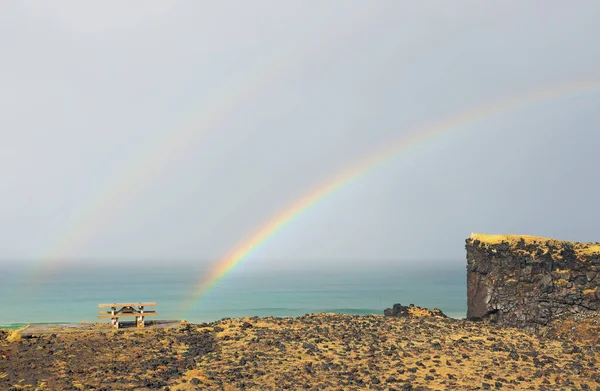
x=129 y=182
x=419 y=136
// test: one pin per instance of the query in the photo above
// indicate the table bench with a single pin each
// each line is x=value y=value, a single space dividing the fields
x=124 y=310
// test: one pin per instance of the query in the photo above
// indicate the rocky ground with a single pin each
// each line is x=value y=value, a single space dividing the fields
x=324 y=351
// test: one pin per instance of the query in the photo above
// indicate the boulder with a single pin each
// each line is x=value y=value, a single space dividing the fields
x=398 y=310
x=528 y=281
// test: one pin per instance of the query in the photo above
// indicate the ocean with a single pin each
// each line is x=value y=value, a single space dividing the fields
x=71 y=294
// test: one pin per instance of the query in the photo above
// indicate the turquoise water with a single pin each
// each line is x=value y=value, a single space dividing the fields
x=72 y=294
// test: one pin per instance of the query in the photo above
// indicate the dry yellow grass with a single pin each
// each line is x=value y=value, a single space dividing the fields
x=15 y=335
x=321 y=351
x=510 y=238
x=581 y=248
x=372 y=352
x=416 y=311
x=590 y=249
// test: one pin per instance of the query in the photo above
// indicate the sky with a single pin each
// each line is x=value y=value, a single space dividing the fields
x=153 y=130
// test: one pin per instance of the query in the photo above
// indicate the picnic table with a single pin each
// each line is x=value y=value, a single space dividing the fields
x=124 y=310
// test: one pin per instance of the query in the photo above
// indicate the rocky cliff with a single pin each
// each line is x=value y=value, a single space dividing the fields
x=528 y=281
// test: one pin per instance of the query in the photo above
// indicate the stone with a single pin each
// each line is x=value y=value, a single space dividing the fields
x=527 y=281
x=400 y=311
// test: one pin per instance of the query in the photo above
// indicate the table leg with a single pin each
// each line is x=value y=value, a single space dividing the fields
x=141 y=317
x=115 y=321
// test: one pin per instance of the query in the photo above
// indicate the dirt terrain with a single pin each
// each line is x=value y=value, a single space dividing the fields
x=322 y=351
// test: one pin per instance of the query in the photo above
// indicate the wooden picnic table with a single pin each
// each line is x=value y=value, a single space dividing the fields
x=123 y=310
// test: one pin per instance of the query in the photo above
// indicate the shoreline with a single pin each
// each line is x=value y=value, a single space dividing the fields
x=453 y=315
x=13 y=326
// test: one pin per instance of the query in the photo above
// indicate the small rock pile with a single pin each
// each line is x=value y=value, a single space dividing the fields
x=399 y=310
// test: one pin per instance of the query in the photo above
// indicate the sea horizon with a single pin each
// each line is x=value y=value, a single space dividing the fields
x=70 y=294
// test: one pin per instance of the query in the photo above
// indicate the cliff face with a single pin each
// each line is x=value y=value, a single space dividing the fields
x=527 y=281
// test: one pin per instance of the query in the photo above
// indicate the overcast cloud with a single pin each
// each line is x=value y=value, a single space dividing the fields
x=174 y=130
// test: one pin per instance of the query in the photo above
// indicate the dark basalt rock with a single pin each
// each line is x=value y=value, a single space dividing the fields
x=399 y=310
x=529 y=282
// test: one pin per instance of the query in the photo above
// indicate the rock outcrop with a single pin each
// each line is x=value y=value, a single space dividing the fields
x=399 y=310
x=527 y=281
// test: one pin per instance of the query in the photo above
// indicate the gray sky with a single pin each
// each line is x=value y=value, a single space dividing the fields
x=174 y=130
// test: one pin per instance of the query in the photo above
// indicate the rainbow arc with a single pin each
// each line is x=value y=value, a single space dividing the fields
x=415 y=138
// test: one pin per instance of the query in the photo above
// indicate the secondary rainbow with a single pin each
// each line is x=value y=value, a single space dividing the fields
x=417 y=137
x=130 y=181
